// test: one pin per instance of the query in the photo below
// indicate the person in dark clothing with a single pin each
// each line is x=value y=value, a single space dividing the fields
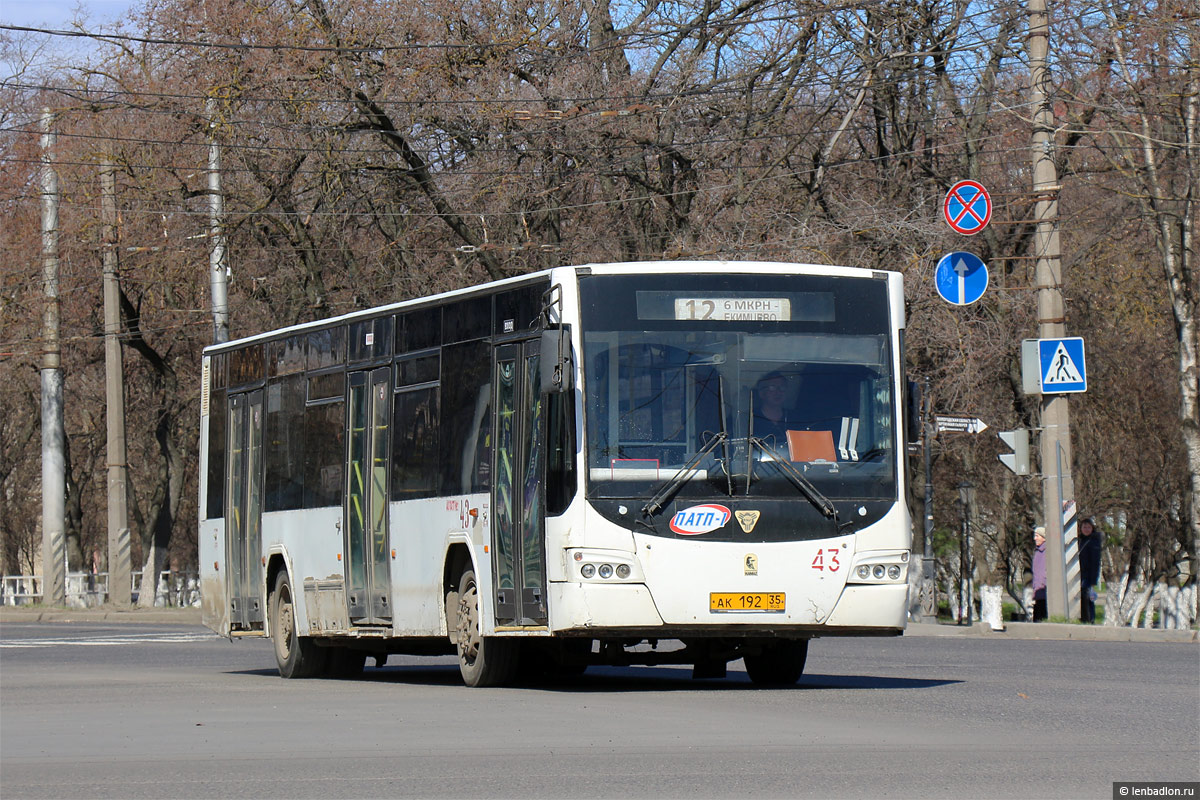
x=1090 y=545
x=1039 y=573
x=771 y=418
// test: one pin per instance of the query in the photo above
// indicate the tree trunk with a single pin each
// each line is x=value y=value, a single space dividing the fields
x=170 y=490
x=991 y=606
x=1143 y=600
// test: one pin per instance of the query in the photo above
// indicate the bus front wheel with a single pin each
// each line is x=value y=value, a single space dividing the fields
x=482 y=660
x=778 y=662
x=297 y=656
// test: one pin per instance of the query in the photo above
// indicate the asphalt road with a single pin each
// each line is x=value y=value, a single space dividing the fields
x=104 y=710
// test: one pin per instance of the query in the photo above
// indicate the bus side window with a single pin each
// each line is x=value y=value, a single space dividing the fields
x=324 y=453
x=284 y=443
x=415 y=444
x=463 y=413
x=479 y=465
x=215 y=505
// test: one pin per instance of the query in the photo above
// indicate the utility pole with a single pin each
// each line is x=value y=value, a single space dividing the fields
x=119 y=556
x=929 y=572
x=217 y=268
x=54 y=461
x=1055 y=441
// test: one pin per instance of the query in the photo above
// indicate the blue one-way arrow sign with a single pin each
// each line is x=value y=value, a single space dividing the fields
x=961 y=278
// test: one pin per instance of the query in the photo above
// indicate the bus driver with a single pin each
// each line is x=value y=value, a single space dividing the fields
x=771 y=417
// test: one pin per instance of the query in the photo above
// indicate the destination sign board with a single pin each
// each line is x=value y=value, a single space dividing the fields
x=767 y=309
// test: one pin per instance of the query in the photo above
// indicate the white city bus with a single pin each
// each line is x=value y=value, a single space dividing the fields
x=643 y=463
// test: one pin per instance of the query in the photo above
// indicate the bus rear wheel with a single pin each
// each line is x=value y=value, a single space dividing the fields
x=297 y=656
x=778 y=662
x=482 y=660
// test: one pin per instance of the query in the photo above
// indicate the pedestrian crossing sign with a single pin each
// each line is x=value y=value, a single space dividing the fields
x=1063 y=369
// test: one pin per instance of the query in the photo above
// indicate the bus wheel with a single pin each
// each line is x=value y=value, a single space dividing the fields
x=297 y=656
x=779 y=662
x=483 y=661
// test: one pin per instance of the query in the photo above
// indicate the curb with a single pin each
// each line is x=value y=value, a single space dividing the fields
x=171 y=616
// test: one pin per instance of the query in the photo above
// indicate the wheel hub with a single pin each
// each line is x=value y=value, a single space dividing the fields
x=468 y=625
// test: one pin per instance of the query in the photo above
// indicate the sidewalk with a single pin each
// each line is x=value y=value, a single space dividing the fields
x=1052 y=630
x=1013 y=630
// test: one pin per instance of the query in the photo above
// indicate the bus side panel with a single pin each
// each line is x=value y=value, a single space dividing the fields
x=214 y=599
x=311 y=543
x=419 y=533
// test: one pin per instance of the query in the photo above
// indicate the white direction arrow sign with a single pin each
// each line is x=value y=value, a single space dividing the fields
x=960 y=424
x=962 y=269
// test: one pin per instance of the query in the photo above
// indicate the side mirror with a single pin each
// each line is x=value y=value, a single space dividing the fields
x=556 y=364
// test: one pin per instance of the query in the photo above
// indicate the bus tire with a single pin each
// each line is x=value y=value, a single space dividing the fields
x=482 y=660
x=779 y=662
x=297 y=656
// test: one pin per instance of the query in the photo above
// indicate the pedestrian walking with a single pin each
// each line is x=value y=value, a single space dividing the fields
x=1039 y=573
x=1091 y=542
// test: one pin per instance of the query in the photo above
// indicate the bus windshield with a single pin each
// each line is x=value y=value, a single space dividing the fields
x=742 y=378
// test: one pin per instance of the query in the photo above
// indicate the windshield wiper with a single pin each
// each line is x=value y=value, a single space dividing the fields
x=663 y=495
x=822 y=503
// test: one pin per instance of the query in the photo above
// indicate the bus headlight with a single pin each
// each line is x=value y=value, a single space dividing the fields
x=879 y=567
x=605 y=565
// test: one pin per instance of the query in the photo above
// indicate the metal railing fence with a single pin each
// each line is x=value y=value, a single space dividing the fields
x=176 y=589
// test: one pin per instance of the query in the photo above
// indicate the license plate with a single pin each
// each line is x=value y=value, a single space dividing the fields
x=745 y=601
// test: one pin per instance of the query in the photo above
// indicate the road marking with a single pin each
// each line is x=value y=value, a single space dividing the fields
x=109 y=641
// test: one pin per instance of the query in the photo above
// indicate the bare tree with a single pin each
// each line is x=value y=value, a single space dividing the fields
x=1135 y=95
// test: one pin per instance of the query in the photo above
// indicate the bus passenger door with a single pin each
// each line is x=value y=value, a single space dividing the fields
x=243 y=522
x=518 y=546
x=368 y=579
